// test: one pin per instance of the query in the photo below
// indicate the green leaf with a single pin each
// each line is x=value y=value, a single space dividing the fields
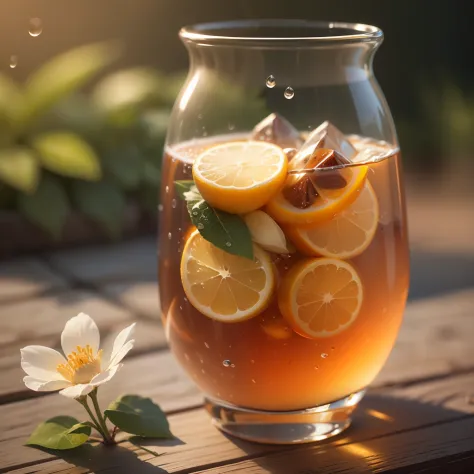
x=19 y=169
x=102 y=202
x=48 y=207
x=68 y=154
x=140 y=416
x=226 y=231
x=121 y=95
x=65 y=74
x=60 y=432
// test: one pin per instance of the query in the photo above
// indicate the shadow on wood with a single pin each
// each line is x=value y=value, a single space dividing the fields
x=387 y=433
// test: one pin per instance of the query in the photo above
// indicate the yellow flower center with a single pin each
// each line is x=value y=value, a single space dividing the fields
x=81 y=366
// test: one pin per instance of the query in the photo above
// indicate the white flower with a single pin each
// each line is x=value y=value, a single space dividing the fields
x=85 y=365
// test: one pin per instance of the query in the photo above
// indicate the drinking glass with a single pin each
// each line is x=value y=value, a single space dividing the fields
x=283 y=261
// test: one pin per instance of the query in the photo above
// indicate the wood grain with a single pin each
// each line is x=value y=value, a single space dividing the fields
x=382 y=413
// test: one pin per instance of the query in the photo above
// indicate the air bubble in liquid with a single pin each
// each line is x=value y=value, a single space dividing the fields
x=289 y=93
x=324 y=355
x=173 y=203
x=167 y=189
x=200 y=226
x=207 y=345
x=169 y=235
x=231 y=126
x=316 y=367
x=271 y=81
x=160 y=207
x=226 y=363
x=36 y=27
x=254 y=381
x=13 y=61
x=228 y=244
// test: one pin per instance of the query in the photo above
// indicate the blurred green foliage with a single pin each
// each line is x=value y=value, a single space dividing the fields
x=443 y=129
x=61 y=149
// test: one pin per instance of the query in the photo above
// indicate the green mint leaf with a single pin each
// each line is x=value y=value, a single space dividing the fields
x=226 y=231
x=139 y=416
x=60 y=432
x=183 y=186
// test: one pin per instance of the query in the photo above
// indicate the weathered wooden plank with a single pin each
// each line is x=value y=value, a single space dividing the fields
x=126 y=261
x=27 y=277
x=382 y=413
x=41 y=320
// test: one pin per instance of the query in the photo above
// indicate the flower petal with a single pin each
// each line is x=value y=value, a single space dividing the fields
x=121 y=353
x=44 y=386
x=40 y=362
x=76 y=391
x=113 y=345
x=80 y=331
x=103 y=377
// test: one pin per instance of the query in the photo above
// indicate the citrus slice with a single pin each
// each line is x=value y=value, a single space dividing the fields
x=226 y=287
x=346 y=235
x=320 y=297
x=323 y=203
x=240 y=177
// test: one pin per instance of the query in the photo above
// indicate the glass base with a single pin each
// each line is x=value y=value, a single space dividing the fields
x=284 y=427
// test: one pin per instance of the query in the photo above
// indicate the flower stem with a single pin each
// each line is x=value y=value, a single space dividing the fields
x=107 y=438
x=83 y=402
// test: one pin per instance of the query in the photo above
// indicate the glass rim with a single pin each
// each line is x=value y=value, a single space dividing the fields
x=215 y=32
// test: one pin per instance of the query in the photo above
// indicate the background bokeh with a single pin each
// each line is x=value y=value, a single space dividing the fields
x=110 y=112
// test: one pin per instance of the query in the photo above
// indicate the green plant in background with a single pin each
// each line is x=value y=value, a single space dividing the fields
x=62 y=150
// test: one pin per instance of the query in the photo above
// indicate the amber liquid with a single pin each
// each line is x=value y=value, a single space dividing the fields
x=260 y=363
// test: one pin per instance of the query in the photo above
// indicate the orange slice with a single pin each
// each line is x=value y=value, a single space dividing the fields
x=240 y=177
x=327 y=203
x=346 y=235
x=320 y=297
x=226 y=287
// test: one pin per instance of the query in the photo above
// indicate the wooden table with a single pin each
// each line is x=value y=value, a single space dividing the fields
x=417 y=417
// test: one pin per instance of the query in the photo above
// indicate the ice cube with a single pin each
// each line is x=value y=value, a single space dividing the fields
x=327 y=136
x=278 y=130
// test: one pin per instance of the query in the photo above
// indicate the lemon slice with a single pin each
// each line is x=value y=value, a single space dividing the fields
x=320 y=297
x=240 y=177
x=225 y=287
x=346 y=235
x=327 y=203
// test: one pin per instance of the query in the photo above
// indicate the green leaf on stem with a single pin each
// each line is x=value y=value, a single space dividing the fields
x=60 y=432
x=226 y=231
x=19 y=169
x=68 y=154
x=64 y=74
x=140 y=416
x=48 y=207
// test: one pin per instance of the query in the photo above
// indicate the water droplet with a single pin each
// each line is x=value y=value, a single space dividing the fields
x=226 y=363
x=13 y=61
x=207 y=345
x=169 y=235
x=36 y=27
x=160 y=207
x=254 y=381
x=173 y=203
x=228 y=244
x=316 y=367
x=271 y=81
x=289 y=93
x=200 y=226
x=167 y=189
x=324 y=355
